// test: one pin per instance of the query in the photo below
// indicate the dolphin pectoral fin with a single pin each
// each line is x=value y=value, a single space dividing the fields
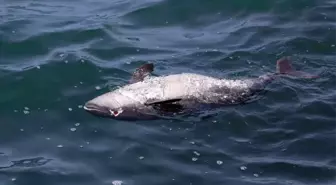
x=141 y=72
x=166 y=106
x=162 y=102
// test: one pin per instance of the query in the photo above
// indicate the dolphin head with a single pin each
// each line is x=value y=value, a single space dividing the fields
x=105 y=105
x=117 y=106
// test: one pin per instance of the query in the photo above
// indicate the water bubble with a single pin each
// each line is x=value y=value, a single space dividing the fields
x=243 y=168
x=66 y=61
x=98 y=88
x=192 y=142
x=13 y=179
x=21 y=129
x=117 y=182
x=141 y=157
x=73 y=129
x=196 y=153
x=26 y=112
x=82 y=60
x=61 y=55
x=70 y=109
x=256 y=175
x=333 y=45
x=38 y=67
x=81 y=146
x=219 y=162
x=80 y=106
x=77 y=124
x=26 y=108
x=194 y=159
x=48 y=138
x=15 y=111
x=59 y=146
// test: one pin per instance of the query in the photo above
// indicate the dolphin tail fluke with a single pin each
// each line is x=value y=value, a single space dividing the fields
x=284 y=66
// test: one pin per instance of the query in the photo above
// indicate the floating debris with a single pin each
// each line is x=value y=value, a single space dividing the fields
x=15 y=111
x=80 y=106
x=82 y=60
x=13 y=179
x=66 y=61
x=219 y=162
x=70 y=109
x=192 y=142
x=77 y=124
x=59 y=146
x=81 y=146
x=214 y=121
x=256 y=175
x=26 y=108
x=98 y=88
x=194 y=159
x=21 y=129
x=141 y=157
x=81 y=82
x=38 y=67
x=48 y=138
x=26 y=112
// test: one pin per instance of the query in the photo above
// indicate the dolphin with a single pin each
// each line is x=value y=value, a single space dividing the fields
x=151 y=97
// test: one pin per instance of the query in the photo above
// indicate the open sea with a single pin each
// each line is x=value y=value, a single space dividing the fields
x=55 y=55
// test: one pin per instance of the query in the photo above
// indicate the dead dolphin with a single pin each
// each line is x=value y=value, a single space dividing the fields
x=149 y=97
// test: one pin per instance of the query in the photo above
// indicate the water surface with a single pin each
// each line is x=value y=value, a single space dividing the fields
x=56 y=55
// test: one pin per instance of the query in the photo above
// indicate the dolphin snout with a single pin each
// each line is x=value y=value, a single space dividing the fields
x=96 y=109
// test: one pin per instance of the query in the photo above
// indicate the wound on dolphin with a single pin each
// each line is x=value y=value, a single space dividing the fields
x=151 y=97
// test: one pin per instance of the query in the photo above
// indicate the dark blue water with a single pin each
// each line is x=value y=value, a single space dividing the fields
x=56 y=55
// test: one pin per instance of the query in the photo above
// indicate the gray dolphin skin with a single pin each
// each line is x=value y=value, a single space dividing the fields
x=151 y=97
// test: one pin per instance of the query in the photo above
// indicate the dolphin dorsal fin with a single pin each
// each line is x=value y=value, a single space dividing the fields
x=141 y=72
